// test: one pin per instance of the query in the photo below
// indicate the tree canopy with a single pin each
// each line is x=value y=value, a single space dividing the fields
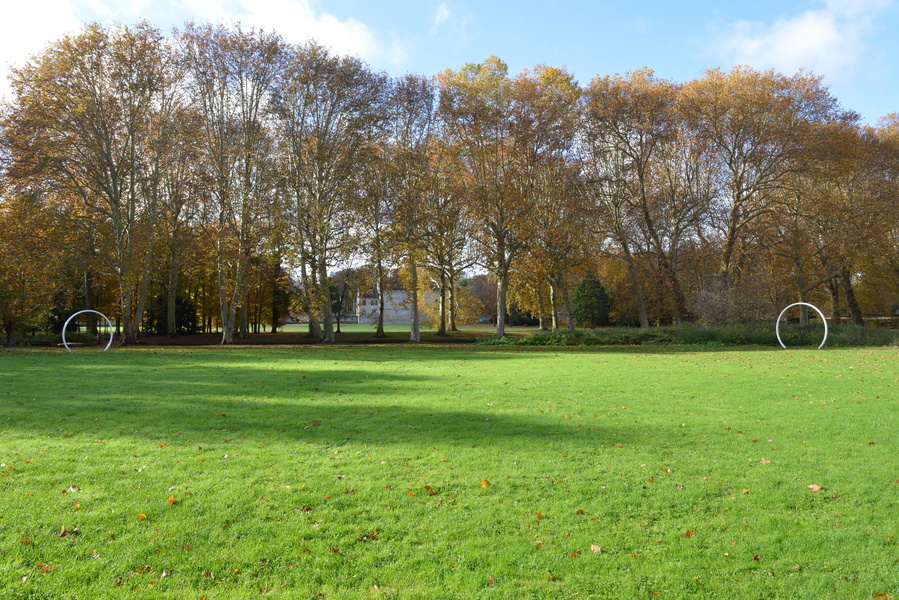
x=226 y=169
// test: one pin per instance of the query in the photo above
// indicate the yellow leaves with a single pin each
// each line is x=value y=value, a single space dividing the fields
x=815 y=487
x=485 y=483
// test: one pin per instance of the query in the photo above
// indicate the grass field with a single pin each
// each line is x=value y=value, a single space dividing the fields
x=409 y=471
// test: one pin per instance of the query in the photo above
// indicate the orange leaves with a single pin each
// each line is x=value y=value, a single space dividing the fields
x=485 y=483
x=689 y=533
x=141 y=517
x=172 y=500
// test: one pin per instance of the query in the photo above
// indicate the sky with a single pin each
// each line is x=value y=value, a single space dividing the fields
x=852 y=44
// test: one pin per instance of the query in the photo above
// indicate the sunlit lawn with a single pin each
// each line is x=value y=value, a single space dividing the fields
x=448 y=472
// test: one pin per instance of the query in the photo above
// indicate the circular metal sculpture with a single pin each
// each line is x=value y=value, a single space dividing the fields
x=108 y=322
x=780 y=316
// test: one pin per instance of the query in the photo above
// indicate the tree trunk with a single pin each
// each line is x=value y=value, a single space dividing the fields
x=441 y=327
x=227 y=312
x=171 y=325
x=89 y=302
x=415 y=335
x=566 y=302
x=244 y=329
x=553 y=306
x=379 y=328
x=501 y=305
x=452 y=302
x=833 y=289
x=855 y=312
x=327 y=313
x=276 y=296
x=635 y=283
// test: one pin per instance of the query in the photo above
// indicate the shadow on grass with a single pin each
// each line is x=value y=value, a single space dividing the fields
x=193 y=404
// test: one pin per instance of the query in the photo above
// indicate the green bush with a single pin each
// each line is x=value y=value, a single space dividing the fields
x=840 y=335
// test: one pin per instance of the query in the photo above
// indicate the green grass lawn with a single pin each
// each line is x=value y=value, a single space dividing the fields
x=409 y=471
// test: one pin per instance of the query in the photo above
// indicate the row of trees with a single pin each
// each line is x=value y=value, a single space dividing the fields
x=219 y=164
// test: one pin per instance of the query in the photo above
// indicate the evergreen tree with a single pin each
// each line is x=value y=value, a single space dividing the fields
x=591 y=303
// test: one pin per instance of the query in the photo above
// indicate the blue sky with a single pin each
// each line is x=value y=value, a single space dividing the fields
x=853 y=44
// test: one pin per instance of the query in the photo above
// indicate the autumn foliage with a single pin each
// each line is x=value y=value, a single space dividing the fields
x=234 y=168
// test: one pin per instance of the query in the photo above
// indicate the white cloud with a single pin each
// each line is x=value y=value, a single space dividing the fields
x=447 y=18
x=828 y=41
x=298 y=21
x=441 y=15
x=27 y=27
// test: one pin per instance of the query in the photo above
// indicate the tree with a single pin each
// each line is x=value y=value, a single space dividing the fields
x=89 y=125
x=635 y=120
x=591 y=303
x=231 y=76
x=412 y=175
x=475 y=104
x=757 y=124
x=329 y=113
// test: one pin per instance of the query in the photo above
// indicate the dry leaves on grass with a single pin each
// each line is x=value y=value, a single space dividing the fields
x=815 y=487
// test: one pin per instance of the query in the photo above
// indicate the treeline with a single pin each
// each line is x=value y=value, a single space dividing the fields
x=214 y=172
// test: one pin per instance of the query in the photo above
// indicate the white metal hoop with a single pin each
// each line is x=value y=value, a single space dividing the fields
x=816 y=309
x=108 y=322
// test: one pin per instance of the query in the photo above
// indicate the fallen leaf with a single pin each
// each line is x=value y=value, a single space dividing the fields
x=815 y=487
x=485 y=483
x=595 y=548
x=689 y=533
x=172 y=500
x=491 y=579
x=579 y=512
x=755 y=557
x=63 y=532
x=141 y=516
